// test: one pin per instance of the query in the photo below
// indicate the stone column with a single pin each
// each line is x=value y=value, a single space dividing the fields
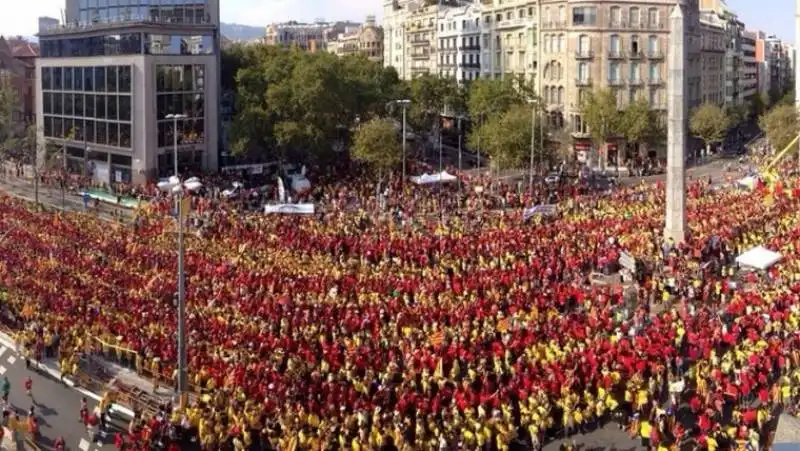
x=675 y=218
x=797 y=65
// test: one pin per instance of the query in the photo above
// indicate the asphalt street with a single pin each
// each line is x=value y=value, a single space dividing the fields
x=53 y=197
x=56 y=405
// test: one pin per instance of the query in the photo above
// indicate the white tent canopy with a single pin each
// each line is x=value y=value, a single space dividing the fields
x=748 y=182
x=758 y=257
x=427 y=179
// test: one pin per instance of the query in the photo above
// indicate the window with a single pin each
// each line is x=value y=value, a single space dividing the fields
x=652 y=17
x=614 y=71
x=562 y=14
x=561 y=43
x=653 y=72
x=635 y=16
x=616 y=15
x=560 y=95
x=584 y=15
x=652 y=45
x=583 y=71
x=635 y=45
x=614 y=45
x=584 y=44
x=634 y=75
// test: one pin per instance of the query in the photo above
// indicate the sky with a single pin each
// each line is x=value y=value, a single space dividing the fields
x=771 y=16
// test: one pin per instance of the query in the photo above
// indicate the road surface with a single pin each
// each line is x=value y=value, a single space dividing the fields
x=52 y=196
x=56 y=405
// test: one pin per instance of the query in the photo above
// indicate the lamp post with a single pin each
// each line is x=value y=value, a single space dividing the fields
x=175 y=118
x=460 y=163
x=175 y=186
x=403 y=103
x=533 y=105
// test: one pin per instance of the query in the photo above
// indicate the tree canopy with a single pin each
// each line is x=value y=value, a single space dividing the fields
x=506 y=137
x=600 y=113
x=376 y=143
x=709 y=123
x=492 y=97
x=780 y=126
x=296 y=104
x=637 y=122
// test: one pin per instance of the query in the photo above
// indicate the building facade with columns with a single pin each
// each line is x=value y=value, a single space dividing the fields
x=110 y=78
x=366 y=40
x=713 y=48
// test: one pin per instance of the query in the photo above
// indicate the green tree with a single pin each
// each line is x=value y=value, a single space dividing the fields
x=8 y=126
x=295 y=105
x=637 y=122
x=736 y=114
x=757 y=106
x=709 y=123
x=601 y=115
x=507 y=138
x=787 y=99
x=780 y=126
x=430 y=95
x=492 y=97
x=376 y=144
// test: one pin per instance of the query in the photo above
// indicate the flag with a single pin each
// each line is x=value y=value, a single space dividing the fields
x=769 y=200
x=437 y=338
x=503 y=325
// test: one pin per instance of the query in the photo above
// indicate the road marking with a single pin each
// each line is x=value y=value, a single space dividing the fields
x=3 y=350
x=2 y=370
x=11 y=359
x=84 y=445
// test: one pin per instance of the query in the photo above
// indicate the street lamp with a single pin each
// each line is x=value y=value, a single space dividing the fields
x=174 y=186
x=533 y=104
x=404 y=103
x=175 y=118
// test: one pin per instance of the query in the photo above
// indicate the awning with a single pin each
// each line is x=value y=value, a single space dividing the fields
x=758 y=257
x=290 y=209
x=426 y=179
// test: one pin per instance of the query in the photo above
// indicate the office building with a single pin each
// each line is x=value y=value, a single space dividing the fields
x=121 y=85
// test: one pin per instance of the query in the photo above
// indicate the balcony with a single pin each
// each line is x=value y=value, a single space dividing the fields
x=635 y=54
x=472 y=65
x=554 y=25
x=616 y=82
x=419 y=41
x=509 y=23
x=582 y=54
x=583 y=82
x=655 y=81
x=659 y=105
x=616 y=54
x=635 y=82
x=420 y=56
x=470 y=48
x=420 y=70
x=447 y=65
x=655 y=54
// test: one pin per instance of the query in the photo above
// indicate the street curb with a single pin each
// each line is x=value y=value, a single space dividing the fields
x=10 y=343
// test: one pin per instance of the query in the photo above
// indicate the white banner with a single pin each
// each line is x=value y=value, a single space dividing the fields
x=291 y=209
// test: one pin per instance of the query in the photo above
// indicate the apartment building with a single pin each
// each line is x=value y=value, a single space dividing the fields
x=364 y=40
x=509 y=39
x=18 y=71
x=713 y=48
x=121 y=87
x=565 y=48
x=749 y=78
x=458 y=42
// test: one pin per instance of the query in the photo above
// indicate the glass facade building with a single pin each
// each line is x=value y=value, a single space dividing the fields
x=113 y=72
x=163 y=11
x=180 y=89
x=128 y=44
x=89 y=104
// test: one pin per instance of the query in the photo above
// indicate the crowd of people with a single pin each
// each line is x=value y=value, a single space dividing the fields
x=352 y=329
